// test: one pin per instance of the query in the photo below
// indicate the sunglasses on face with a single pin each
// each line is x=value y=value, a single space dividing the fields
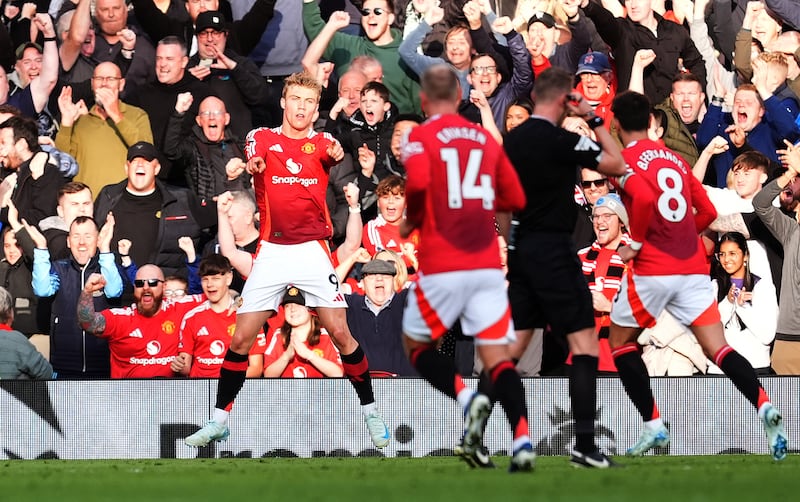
x=597 y=183
x=377 y=11
x=139 y=283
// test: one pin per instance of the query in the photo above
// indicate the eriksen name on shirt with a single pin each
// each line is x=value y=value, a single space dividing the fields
x=449 y=134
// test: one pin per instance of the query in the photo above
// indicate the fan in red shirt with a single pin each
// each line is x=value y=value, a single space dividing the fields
x=143 y=338
x=207 y=329
x=459 y=183
x=667 y=208
x=383 y=232
x=290 y=166
x=300 y=348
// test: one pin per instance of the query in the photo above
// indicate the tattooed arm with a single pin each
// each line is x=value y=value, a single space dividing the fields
x=730 y=223
x=90 y=320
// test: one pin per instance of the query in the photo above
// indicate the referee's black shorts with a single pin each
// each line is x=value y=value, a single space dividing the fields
x=546 y=285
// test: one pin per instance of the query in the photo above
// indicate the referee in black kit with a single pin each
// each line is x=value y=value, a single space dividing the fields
x=546 y=285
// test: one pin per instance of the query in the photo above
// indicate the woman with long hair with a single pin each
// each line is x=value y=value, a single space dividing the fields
x=748 y=306
x=301 y=348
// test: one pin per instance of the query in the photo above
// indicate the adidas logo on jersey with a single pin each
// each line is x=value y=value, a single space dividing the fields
x=137 y=333
x=202 y=331
x=276 y=148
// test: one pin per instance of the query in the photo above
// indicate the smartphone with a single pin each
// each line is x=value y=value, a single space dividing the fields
x=206 y=62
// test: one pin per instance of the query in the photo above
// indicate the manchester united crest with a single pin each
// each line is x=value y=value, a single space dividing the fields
x=308 y=148
x=168 y=327
x=231 y=329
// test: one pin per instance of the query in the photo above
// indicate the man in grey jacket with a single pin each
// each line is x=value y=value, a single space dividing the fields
x=19 y=359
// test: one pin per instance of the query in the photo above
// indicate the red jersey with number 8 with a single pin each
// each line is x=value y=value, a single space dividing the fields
x=667 y=208
x=458 y=177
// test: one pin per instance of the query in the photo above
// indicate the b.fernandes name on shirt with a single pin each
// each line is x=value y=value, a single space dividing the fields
x=648 y=156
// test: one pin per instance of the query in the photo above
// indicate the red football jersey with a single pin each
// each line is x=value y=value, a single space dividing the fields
x=144 y=347
x=458 y=178
x=660 y=193
x=290 y=193
x=206 y=335
x=380 y=235
x=297 y=367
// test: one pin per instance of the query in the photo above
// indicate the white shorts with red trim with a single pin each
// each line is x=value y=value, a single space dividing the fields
x=479 y=298
x=642 y=298
x=306 y=266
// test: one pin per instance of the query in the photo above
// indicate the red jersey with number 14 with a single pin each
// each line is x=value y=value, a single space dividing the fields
x=660 y=193
x=458 y=178
x=290 y=193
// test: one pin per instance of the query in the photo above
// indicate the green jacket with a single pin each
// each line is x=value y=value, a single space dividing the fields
x=677 y=137
x=401 y=81
x=101 y=150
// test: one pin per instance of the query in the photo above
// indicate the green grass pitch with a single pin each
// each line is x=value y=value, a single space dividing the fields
x=677 y=479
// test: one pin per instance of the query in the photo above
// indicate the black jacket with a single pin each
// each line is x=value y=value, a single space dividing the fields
x=204 y=160
x=240 y=89
x=243 y=35
x=181 y=215
x=626 y=37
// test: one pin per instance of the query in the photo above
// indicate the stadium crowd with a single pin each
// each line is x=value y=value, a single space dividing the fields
x=124 y=134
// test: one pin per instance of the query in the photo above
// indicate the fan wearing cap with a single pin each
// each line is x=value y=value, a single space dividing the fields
x=603 y=268
x=543 y=36
x=244 y=33
x=597 y=84
x=233 y=78
x=376 y=318
x=98 y=138
x=152 y=214
x=301 y=348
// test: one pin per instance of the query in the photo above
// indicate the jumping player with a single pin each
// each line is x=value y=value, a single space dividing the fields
x=669 y=272
x=290 y=166
x=459 y=180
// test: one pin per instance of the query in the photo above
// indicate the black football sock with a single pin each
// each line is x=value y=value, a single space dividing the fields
x=356 y=368
x=741 y=373
x=635 y=379
x=231 y=379
x=437 y=369
x=583 y=395
x=511 y=394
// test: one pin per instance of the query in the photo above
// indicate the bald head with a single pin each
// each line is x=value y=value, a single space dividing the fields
x=149 y=271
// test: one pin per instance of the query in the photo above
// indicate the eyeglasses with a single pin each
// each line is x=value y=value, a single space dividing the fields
x=378 y=11
x=597 y=183
x=211 y=113
x=210 y=34
x=174 y=293
x=483 y=70
x=602 y=217
x=106 y=79
x=139 y=283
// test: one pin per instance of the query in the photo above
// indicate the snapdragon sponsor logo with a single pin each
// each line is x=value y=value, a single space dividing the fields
x=210 y=360
x=294 y=180
x=152 y=361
